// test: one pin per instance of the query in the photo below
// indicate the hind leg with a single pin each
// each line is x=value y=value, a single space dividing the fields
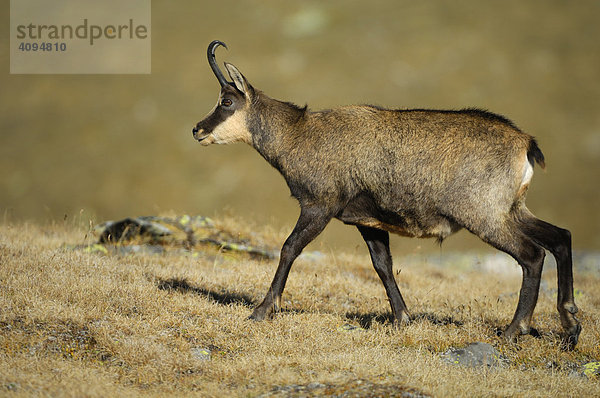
x=508 y=237
x=558 y=242
x=531 y=259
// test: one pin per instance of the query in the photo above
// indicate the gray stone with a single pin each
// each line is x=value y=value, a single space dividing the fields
x=200 y=353
x=158 y=235
x=475 y=355
x=351 y=388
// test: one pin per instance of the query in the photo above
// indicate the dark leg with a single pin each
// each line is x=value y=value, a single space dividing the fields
x=531 y=259
x=509 y=238
x=558 y=242
x=378 y=242
x=310 y=224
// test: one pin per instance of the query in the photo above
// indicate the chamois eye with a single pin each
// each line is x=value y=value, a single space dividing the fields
x=226 y=102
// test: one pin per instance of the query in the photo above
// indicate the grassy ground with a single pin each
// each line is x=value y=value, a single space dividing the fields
x=74 y=323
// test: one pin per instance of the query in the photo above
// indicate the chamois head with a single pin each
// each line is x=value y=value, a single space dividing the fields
x=226 y=123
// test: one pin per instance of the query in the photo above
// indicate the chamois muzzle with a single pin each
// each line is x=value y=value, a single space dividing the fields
x=213 y=63
x=198 y=133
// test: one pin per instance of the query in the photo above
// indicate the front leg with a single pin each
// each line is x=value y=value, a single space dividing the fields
x=378 y=242
x=311 y=222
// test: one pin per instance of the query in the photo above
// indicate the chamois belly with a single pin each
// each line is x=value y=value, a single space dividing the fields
x=363 y=211
x=440 y=230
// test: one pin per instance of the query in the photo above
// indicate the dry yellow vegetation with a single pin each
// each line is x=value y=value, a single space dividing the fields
x=77 y=323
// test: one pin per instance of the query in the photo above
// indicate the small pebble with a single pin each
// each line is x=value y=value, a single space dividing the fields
x=474 y=355
x=202 y=354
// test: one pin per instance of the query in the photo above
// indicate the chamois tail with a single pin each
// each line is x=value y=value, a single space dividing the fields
x=535 y=155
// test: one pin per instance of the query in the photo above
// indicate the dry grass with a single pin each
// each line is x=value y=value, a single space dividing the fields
x=81 y=324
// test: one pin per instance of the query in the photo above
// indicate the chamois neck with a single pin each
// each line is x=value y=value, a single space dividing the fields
x=272 y=124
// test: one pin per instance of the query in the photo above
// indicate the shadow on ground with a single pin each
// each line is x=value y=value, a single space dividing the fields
x=224 y=298
x=366 y=320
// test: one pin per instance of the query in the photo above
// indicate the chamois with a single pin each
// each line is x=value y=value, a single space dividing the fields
x=415 y=172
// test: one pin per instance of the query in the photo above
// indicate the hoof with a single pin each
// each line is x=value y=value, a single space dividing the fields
x=405 y=319
x=571 y=338
x=510 y=337
x=257 y=316
x=512 y=332
x=401 y=321
x=260 y=313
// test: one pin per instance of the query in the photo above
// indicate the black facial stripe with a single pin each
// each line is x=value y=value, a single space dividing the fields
x=212 y=121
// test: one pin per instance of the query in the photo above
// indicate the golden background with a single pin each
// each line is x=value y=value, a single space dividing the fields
x=96 y=147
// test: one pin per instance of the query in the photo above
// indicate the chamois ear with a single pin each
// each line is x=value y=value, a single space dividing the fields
x=238 y=79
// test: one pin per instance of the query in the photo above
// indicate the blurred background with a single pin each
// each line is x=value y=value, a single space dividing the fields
x=98 y=147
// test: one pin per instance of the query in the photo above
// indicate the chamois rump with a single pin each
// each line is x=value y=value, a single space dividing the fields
x=417 y=173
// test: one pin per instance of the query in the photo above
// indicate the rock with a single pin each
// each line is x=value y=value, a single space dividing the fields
x=201 y=354
x=475 y=355
x=141 y=249
x=130 y=228
x=159 y=235
x=95 y=248
x=353 y=388
x=237 y=247
x=591 y=370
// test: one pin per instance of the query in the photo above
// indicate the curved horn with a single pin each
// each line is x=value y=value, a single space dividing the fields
x=213 y=63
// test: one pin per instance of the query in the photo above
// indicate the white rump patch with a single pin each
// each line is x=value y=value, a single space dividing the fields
x=527 y=173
